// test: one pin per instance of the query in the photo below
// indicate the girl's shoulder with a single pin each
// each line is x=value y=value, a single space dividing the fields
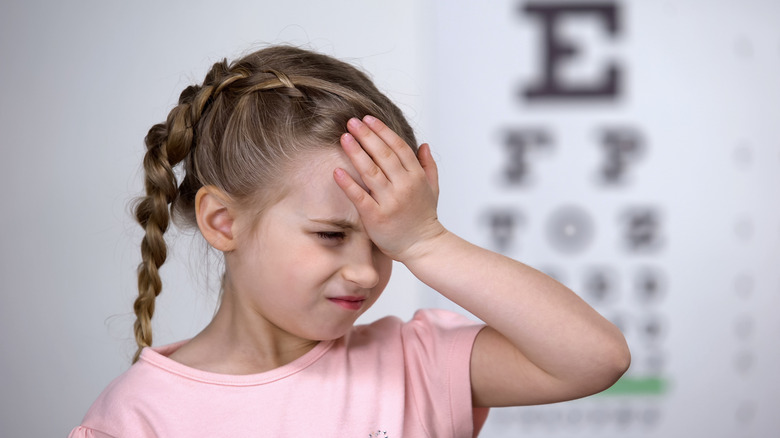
x=428 y=329
x=423 y=320
x=119 y=407
x=426 y=315
x=432 y=353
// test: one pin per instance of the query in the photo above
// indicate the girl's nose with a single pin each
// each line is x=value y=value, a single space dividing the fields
x=360 y=269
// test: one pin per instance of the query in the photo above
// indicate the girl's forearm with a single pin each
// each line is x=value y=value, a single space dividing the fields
x=548 y=323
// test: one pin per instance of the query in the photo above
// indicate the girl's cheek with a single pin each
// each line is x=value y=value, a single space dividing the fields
x=385 y=268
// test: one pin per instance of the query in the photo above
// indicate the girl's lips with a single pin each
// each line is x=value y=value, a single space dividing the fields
x=349 y=303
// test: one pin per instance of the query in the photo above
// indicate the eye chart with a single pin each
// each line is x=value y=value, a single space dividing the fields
x=632 y=151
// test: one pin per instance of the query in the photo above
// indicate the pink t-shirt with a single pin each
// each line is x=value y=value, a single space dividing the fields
x=388 y=379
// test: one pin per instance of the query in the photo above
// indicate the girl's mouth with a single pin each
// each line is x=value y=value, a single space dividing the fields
x=347 y=302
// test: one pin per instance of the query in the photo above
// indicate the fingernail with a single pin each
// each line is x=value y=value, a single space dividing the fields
x=369 y=119
x=354 y=122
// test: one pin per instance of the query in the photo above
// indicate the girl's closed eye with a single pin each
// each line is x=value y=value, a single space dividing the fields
x=332 y=236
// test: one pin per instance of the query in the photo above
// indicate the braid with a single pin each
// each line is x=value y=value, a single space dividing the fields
x=152 y=214
x=167 y=145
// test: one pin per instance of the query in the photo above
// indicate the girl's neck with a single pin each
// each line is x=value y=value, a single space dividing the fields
x=237 y=343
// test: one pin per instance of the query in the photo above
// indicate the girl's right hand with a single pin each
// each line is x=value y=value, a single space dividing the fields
x=399 y=208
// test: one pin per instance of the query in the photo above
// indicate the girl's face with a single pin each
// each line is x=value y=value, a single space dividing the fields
x=308 y=269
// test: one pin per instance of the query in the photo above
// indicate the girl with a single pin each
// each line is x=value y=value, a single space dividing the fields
x=308 y=180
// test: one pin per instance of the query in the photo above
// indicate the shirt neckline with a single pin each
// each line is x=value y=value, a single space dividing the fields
x=158 y=357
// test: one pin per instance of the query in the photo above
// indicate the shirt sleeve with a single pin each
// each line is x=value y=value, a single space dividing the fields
x=437 y=348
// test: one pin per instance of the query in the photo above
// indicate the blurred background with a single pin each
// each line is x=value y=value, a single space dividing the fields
x=631 y=149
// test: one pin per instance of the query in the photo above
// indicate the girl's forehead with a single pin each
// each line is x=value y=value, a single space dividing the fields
x=310 y=184
x=315 y=194
x=313 y=169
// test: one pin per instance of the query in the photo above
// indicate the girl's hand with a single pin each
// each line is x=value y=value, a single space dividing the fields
x=399 y=209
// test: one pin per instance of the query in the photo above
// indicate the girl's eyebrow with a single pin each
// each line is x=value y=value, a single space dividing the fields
x=338 y=223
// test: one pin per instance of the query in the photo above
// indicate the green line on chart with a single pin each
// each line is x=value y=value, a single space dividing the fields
x=638 y=386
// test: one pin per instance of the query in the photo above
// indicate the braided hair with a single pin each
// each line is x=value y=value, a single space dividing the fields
x=237 y=131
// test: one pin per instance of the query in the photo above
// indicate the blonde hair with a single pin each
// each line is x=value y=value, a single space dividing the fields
x=237 y=131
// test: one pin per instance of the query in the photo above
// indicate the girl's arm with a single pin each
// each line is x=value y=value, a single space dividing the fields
x=543 y=343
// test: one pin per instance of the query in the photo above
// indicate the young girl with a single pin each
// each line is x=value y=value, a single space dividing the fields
x=308 y=180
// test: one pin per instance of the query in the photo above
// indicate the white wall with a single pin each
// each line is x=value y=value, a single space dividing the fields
x=81 y=84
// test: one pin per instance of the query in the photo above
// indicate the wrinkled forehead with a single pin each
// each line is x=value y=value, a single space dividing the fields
x=310 y=181
x=315 y=168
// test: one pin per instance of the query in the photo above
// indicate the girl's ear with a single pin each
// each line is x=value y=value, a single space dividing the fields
x=215 y=218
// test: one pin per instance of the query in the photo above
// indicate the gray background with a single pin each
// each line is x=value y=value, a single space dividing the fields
x=82 y=82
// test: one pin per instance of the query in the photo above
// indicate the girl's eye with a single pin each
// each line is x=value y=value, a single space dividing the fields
x=331 y=235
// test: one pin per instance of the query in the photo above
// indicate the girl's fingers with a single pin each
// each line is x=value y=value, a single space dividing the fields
x=362 y=200
x=394 y=141
x=383 y=153
x=428 y=164
x=373 y=176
